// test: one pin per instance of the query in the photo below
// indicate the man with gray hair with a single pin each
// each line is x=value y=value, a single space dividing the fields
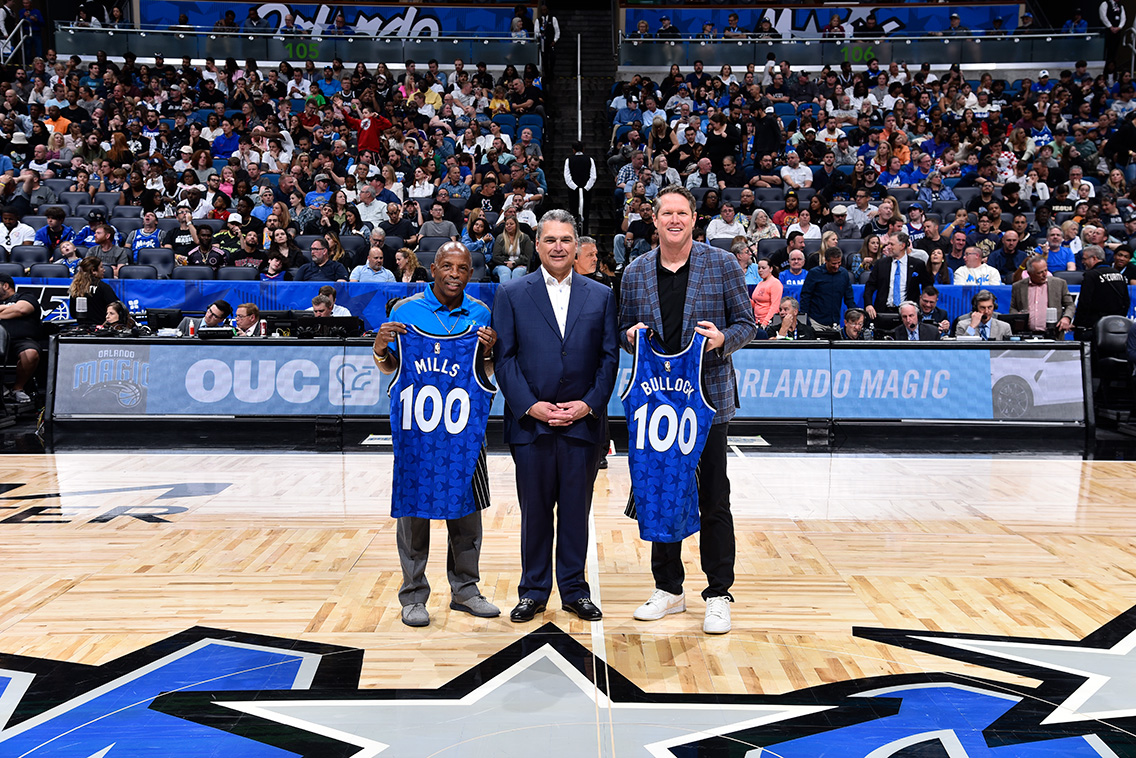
x=983 y=323
x=1104 y=292
x=786 y=325
x=371 y=211
x=556 y=360
x=911 y=329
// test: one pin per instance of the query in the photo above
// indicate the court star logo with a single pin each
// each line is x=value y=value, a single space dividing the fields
x=1083 y=682
x=546 y=695
x=218 y=693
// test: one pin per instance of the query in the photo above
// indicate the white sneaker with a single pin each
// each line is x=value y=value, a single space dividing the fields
x=660 y=604
x=717 y=615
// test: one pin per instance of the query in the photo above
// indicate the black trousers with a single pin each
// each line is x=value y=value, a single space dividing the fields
x=717 y=527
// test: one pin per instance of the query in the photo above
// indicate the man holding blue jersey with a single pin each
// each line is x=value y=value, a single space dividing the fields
x=444 y=308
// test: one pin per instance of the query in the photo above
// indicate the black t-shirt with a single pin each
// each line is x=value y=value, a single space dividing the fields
x=491 y=203
x=241 y=257
x=641 y=230
x=96 y=301
x=24 y=327
x=404 y=228
x=180 y=240
x=672 y=301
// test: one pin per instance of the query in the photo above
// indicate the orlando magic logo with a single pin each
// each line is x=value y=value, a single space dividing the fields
x=119 y=373
x=127 y=394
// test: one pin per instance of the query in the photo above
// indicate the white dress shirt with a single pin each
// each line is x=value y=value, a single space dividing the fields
x=559 y=294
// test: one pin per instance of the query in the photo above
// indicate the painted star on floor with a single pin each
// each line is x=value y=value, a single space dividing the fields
x=1085 y=681
x=539 y=696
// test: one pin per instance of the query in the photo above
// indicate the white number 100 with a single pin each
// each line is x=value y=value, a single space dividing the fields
x=414 y=409
x=685 y=432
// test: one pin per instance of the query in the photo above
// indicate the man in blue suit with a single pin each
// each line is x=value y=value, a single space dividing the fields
x=679 y=289
x=557 y=356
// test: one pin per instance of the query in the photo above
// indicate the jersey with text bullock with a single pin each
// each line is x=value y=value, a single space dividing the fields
x=668 y=420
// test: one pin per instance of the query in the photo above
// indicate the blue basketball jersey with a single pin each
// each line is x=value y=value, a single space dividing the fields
x=142 y=240
x=439 y=407
x=668 y=421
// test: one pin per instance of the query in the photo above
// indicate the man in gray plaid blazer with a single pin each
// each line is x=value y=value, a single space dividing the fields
x=679 y=289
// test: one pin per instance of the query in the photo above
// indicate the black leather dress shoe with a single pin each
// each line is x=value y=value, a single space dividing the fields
x=526 y=610
x=585 y=609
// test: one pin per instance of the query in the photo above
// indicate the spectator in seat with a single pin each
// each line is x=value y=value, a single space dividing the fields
x=372 y=270
x=975 y=272
x=726 y=225
x=35 y=191
x=20 y=329
x=68 y=255
x=12 y=231
x=787 y=326
x=250 y=254
x=322 y=268
x=206 y=253
x=106 y=249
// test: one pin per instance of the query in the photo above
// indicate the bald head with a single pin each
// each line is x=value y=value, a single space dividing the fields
x=455 y=249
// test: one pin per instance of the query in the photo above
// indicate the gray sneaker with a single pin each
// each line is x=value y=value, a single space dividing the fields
x=21 y=397
x=415 y=615
x=476 y=606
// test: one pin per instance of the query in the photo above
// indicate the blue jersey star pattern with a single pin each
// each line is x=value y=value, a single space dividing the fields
x=668 y=420
x=439 y=406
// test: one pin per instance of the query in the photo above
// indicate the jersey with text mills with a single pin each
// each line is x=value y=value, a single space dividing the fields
x=668 y=420
x=439 y=407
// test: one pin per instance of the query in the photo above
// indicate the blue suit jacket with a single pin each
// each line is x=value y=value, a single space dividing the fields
x=534 y=363
x=715 y=292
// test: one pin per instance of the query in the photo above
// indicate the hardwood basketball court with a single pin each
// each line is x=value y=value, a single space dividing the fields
x=106 y=554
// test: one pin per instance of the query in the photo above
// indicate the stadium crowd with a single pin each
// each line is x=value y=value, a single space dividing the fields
x=278 y=173
x=965 y=181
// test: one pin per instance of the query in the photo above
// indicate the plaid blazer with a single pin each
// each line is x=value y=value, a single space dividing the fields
x=715 y=292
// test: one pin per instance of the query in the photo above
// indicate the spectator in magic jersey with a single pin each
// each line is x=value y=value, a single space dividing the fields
x=149 y=236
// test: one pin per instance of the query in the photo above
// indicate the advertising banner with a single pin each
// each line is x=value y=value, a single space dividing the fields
x=912 y=20
x=407 y=20
x=307 y=379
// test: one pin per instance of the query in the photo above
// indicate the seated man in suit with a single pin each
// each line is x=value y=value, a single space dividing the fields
x=786 y=326
x=214 y=315
x=912 y=329
x=1038 y=291
x=982 y=322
